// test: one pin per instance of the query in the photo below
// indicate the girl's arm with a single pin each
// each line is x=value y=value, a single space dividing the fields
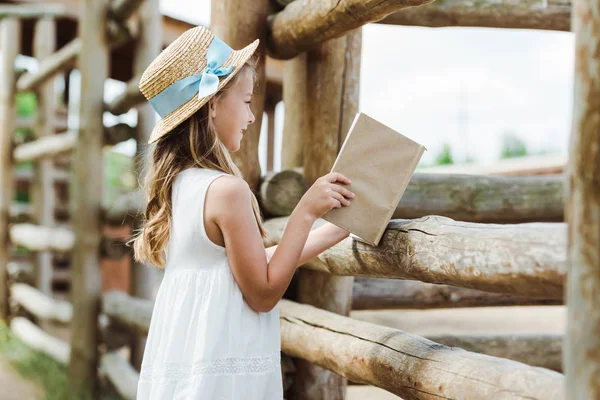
x=318 y=241
x=263 y=282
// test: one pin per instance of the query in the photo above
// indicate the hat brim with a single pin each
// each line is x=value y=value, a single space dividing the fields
x=237 y=59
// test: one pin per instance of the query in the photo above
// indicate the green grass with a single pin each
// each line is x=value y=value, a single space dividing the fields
x=48 y=374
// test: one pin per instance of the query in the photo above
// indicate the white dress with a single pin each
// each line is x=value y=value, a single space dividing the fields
x=204 y=341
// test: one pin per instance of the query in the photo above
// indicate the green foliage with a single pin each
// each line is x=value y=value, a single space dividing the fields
x=445 y=156
x=118 y=175
x=512 y=146
x=26 y=104
x=37 y=367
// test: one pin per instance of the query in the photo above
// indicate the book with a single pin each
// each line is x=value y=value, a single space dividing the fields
x=380 y=162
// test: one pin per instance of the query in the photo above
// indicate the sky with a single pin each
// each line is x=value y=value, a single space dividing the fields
x=464 y=87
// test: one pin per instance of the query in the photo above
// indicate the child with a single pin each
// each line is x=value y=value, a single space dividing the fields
x=214 y=332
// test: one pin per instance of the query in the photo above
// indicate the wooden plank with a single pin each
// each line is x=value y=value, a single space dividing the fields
x=130 y=97
x=379 y=293
x=239 y=24
x=493 y=199
x=543 y=351
x=43 y=195
x=41 y=304
x=528 y=14
x=407 y=365
x=10 y=46
x=295 y=98
x=132 y=312
x=145 y=279
x=582 y=349
x=270 y=111
x=468 y=198
x=281 y=191
x=61 y=60
x=37 y=339
x=333 y=73
x=121 y=374
x=45 y=146
x=22 y=11
x=304 y=24
x=40 y=238
x=520 y=259
x=87 y=196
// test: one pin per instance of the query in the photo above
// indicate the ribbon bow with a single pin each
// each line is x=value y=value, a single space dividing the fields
x=204 y=84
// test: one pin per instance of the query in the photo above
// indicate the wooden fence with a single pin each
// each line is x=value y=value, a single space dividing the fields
x=455 y=240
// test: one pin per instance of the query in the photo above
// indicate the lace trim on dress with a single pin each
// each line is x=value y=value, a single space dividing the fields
x=222 y=366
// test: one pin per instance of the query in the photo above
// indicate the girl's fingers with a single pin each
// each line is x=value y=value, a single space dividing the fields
x=342 y=190
x=337 y=177
x=340 y=198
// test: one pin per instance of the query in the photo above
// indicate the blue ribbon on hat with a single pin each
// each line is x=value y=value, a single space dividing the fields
x=205 y=84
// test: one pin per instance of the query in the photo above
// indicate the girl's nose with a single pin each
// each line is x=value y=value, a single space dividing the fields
x=251 y=120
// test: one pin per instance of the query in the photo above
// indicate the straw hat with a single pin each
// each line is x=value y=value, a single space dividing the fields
x=185 y=70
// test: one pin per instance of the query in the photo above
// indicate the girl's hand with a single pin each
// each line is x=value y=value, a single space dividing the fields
x=325 y=194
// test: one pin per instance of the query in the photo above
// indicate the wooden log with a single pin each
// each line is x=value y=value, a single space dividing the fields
x=37 y=339
x=10 y=45
x=378 y=293
x=122 y=9
x=121 y=374
x=528 y=14
x=59 y=122
x=270 y=111
x=42 y=190
x=333 y=73
x=493 y=199
x=52 y=145
x=135 y=313
x=87 y=196
x=543 y=351
x=407 y=365
x=295 y=98
x=61 y=60
x=281 y=191
x=118 y=133
x=238 y=24
x=45 y=146
x=66 y=57
x=582 y=349
x=470 y=198
x=126 y=209
x=304 y=24
x=145 y=278
x=40 y=238
x=40 y=304
x=129 y=98
x=113 y=335
x=26 y=11
x=520 y=259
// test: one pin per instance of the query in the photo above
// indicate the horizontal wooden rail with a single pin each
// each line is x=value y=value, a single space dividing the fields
x=407 y=365
x=520 y=259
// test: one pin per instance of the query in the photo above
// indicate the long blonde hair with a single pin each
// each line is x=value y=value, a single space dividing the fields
x=194 y=143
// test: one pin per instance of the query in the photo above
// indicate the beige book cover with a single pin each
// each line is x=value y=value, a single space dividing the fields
x=380 y=162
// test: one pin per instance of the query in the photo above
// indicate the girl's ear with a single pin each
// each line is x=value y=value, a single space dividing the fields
x=212 y=108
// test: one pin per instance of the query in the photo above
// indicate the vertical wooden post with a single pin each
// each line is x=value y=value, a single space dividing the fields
x=333 y=73
x=44 y=198
x=239 y=24
x=87 y=195
x=270 y=111
x=295 y=98
x=145 y=280
x=582 y=211
x=10 y=44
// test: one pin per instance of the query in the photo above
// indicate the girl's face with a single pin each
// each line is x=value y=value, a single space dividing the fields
x=231 y=112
